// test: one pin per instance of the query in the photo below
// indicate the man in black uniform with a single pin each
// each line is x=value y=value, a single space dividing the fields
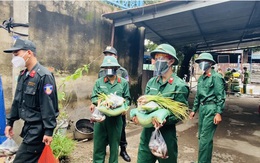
x=35 y=102
x=122 y=72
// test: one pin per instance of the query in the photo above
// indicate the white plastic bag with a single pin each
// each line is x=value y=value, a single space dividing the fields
x=157 y=145
x=97 y=116
x=8 y=148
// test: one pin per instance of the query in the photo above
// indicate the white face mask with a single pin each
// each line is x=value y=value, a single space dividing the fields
x=18 y=61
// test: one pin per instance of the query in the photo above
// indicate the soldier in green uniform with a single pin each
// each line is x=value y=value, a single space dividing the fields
x=210 y=101
x=171 y=86
x=245 y=79
x=122 y=72
x=109 y=131
x=35 y=102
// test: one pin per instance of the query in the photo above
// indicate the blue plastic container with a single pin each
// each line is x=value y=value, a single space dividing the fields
x=2 y=114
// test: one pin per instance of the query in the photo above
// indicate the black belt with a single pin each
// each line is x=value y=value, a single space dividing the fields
x=207 y=103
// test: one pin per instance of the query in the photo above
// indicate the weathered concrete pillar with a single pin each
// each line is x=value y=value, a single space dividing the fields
x=185 y=66
x=244 y=57
x=129 y=42
x=20 y=15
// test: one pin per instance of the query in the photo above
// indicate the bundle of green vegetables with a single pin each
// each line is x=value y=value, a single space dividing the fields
x=158 y=107
x=112 y=104
x=180 y=110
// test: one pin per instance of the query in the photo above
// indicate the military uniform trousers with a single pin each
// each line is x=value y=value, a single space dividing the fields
x=169 y=135
x=123 y=142
x=206 y=133
x=106 y=133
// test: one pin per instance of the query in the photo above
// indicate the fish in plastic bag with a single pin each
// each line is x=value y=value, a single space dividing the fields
x=97 y=116
x=157 y=145
x=8 y=148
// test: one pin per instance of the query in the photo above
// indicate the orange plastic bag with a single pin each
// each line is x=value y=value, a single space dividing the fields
x=47 y=156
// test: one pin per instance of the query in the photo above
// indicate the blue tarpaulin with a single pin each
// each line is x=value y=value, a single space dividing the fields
x=2 y=114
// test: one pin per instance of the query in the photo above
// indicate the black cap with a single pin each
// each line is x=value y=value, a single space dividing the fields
x=110 y=49
x=21 y=45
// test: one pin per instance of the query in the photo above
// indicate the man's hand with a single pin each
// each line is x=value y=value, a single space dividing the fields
x=192 y=114
x=92 y=108
x=9 y=132
x=157 y=124
x=217 y=119
x=47 y=140
x=135 y=120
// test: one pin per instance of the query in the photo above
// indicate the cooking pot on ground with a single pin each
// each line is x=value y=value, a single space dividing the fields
x=83 y=129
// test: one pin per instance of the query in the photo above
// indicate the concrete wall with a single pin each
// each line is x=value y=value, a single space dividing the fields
x=5 y=61
x=69 y=34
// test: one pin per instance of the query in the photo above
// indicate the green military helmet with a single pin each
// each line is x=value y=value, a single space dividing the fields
x=110 y=61
x=110 y=49
x=166 y=49
x=205 y=56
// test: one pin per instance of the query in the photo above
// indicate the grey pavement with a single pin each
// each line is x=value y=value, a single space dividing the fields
x=237 y=139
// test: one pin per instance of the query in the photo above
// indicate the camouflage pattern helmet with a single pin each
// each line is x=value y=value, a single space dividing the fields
x=110 y=49
x=110 y=61
x=166 y=49
x=205 y=56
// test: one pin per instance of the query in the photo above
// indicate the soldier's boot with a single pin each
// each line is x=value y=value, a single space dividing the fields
x=124 y=154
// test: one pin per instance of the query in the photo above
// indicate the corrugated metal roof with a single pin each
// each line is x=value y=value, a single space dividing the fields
x=209 y=25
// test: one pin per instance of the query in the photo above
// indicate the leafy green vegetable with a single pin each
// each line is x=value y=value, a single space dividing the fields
x=62 y=146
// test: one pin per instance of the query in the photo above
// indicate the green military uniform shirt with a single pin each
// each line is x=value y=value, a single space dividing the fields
x=103 y=85
x=174 y=87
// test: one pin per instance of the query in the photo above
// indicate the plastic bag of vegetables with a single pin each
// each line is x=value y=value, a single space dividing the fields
x=115 y=111
x=111 y=101
x=148 y=107
x=112 y=104
x=178 y=109
x=145 y=119
x=157 y=145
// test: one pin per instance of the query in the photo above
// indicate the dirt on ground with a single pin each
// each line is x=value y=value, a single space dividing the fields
x=237 y=139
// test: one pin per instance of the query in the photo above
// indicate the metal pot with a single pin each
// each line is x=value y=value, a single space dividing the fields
x=83 y=129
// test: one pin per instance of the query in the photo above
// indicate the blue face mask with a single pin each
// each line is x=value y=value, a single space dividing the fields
x=204 y=65
x=161 y=67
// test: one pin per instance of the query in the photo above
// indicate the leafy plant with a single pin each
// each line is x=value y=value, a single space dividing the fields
x=64 y=98
x=62 y=146
x=150 y=46
x=179 y=109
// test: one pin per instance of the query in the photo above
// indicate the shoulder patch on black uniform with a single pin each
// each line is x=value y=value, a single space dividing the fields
x=48 y=88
